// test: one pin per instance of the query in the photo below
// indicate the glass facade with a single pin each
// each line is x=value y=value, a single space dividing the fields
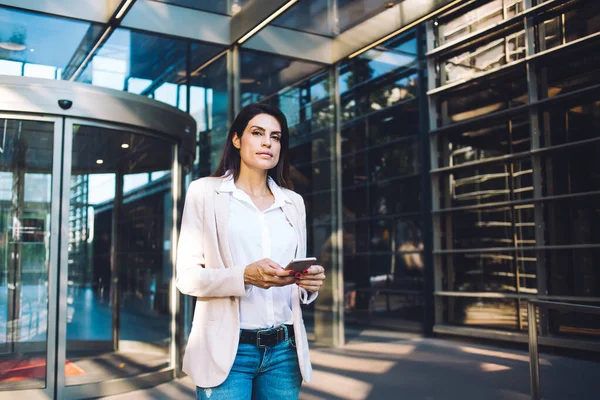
x=306 y=100
x=450 y=173
x=515 y=175
x=380 y=93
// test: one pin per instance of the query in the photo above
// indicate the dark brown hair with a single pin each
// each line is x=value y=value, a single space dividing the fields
x=231 y=159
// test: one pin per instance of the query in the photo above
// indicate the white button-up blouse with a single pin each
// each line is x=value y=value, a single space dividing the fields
x=252 y=236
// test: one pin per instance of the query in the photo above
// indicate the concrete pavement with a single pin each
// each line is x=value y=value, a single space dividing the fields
x=388 y=365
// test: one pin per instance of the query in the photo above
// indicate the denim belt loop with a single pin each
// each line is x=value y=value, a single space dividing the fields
x=285 y=329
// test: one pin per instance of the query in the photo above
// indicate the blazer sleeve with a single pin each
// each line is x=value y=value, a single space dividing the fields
x=306 y=297
x=192 y=277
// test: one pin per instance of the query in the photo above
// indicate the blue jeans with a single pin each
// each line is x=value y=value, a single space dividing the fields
x=269 y=373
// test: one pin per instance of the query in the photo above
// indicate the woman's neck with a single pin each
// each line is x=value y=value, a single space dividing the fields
x=253 y=182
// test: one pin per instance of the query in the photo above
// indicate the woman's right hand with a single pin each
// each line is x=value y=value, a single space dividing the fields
x=267 y=273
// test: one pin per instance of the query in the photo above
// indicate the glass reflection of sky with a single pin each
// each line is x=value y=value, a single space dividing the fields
x=216 y=6
x=399 y=52
x=49 y=42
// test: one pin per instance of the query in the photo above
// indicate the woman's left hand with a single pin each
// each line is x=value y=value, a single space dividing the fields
x=312 y=278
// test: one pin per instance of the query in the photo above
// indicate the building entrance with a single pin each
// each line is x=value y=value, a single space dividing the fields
x=89 y=202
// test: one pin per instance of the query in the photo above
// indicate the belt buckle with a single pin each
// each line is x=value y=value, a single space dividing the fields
x=258 y=335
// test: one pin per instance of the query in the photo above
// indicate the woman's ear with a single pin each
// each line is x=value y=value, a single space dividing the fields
x=236 y=141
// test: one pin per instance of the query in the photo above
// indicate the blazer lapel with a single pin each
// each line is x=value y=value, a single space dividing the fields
x=222 y=200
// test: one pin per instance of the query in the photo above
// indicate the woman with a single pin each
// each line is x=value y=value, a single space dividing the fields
x=239 y=227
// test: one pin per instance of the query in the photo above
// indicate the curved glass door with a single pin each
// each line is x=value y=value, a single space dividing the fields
x=119 y=255
x=28 y=252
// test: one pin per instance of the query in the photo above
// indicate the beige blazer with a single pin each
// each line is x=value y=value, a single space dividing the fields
x=205 y=271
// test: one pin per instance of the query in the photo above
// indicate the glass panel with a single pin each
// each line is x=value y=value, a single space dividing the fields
x=392 y=161
x=25 y=214
x=394 y=124
x=571 y=124
x=573 y=272
x=477 y=17
x=136 y=254
x=395 y=197
x=573 y=221
x=574 y=325
x=574 y=171
x=484 y=97
x=228 y=7
x=379 y=79
x=353 y=12
x=503 y=226
x=569 y=70
x=481 y=312
x=484 y=58
x=42 y=46
x=576 y=20
x=313 y=16
x=487 y=183
x=209 y=102
x=495 y=138
x=265 y=74
x=497 y=271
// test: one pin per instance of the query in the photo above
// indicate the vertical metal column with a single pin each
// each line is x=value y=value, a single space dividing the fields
x=534 y=366
x=233 y=81
x=63 y=272
x=426 y=221
x=436 y=242
x=177 y=299
x=15 y=245
x=339 y=337
x=540 y=235
x=115 y=288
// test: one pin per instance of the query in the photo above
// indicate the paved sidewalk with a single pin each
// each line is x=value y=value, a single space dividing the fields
x=387 y=365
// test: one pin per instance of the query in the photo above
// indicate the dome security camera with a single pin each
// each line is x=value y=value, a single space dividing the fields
x=65 y=104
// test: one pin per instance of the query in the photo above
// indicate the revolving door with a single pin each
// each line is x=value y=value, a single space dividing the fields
x=89 y=203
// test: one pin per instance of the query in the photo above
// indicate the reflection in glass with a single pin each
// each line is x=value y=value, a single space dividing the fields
x=383 y=268
x=226 y=7
x=477 y=18
x=47 y=43
x=25 y=213
x=577 y=20
x=314 y=16
x=118 y=321
x=485 y=97
x=481 y=312
x=209 y=102
x=378 y=79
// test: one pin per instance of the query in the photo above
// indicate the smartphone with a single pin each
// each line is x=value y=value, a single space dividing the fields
x=300 y=264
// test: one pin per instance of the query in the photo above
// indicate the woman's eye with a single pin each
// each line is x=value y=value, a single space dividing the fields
x=255 y=132
x=275 y=137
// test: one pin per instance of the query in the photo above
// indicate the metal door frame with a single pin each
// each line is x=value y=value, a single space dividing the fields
x=116 y=385
x=51 y=349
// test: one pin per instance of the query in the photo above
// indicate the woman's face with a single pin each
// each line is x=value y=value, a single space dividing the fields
x=260 y=143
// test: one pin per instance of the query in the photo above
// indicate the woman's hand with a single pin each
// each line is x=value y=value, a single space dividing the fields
x=312 y=278
x=267 y=273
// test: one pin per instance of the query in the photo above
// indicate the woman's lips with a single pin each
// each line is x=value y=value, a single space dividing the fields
x=265 y=155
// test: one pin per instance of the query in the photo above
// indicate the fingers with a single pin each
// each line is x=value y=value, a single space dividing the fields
x=271 y=263
x=273 y=274
x=314 y=270
x=312 y=285
x=312 y=279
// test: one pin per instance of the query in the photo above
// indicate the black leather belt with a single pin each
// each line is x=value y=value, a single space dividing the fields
x=266 y=337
